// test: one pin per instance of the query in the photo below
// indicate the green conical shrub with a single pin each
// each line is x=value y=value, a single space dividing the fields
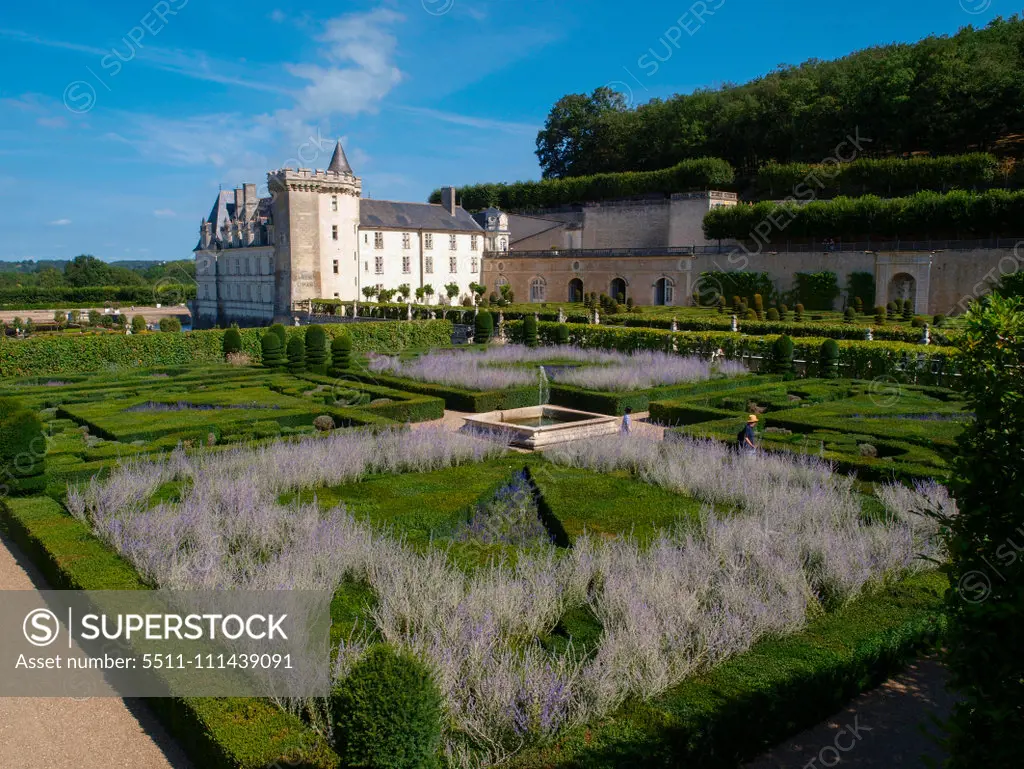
x=282 y=333
x=483 y=328
x=270 y=346
x=530 y=330
x=341 y=354
x=316 y=346
x=296 y=355
x=880 y=314
x=388 y=713
x=232 y=341
x=562 y=334
x=829 y=359
x=849 y=316
x=782 y=355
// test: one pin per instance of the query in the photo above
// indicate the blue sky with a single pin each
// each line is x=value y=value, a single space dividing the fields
x=119 y=119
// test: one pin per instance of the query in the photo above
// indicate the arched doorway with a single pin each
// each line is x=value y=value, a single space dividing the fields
x=903 y=286
x=538 y=290
x=618 y=290
x=664 y=292
x=575 y=290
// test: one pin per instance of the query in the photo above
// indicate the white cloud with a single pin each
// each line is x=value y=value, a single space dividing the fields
x=486 y=124
x=164 y=212
x=60 y=222
x=53 y=122
x=277 y=15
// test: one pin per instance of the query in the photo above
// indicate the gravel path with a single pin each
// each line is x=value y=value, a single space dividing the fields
x=891 y=726
x=65 y=733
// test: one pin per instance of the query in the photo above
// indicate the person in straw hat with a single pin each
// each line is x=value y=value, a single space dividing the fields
x=747 y=435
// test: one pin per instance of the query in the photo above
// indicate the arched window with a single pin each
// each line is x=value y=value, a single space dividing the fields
x=618 y=290
x=664 y=291
x=501 y=280
x=503 y=244
x=538 y=290
x=575 y=290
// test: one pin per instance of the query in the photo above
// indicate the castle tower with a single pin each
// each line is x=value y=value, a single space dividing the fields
x=316 y=221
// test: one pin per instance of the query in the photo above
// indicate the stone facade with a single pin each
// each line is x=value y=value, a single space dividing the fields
x=937 y=282
x=315 y=237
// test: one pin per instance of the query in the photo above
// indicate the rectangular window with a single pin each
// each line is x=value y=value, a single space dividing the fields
x=453 y=242
x=474 y=265
x=378 y=240
x=428 y=265
x=334 y=232
x=428 y=241
x=366 y=266
x=406 y=240
x=472 y=243
x=334 y=202
x=336 y=294
x=378 y=265
x=335 y=266
x=406 y=265
x=453 y=265
x=366 y=238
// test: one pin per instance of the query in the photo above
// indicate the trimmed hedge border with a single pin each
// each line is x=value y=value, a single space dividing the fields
x=755 y=700
x=223 y=733
x=455 y=399
x=75 y=355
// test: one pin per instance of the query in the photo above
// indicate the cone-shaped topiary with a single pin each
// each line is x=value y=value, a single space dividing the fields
x=849 y=316
x=908 y=309
x=782 y=355
x=316 y=346
x=273 y=355
x=281 y=332
x=880 y=315
x=829 y=360
x=232 y=341
x=341 y=354
x=799 y=313
x=387 y=713
x=483 y=329
x=530 y=330
x=759 y=305
x=562 y=334
x=296 y=355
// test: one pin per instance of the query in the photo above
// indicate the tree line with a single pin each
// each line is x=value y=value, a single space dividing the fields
x=941 y=95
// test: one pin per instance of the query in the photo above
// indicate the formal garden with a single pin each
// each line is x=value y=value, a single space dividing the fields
x=622 y=600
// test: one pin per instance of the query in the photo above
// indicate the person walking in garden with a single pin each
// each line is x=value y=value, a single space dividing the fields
x=627 y=420
x=747 y=435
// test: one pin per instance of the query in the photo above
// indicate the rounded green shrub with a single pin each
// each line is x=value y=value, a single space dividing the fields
x=891 y=309
x=750 y=315
x=530 y=330
x=282 y=333
x=270 y=347
x=829 y=359
x=908 y=309
x=799 y=313
x=483 y=328
x=316 y=346
x=773 y=314
x=138 y=324
x=849 y=315
x=324 y=423
x=938 y=320
x=387 y=713
x=782 y=355
x=232 y=341
x=296 y=355
x=880 y=314
x=562 y=334
x=918 y=321
x=341 y=354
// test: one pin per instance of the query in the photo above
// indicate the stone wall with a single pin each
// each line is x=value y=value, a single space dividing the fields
x=626 y=225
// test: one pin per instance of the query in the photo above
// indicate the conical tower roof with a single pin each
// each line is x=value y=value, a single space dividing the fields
x=339 y=163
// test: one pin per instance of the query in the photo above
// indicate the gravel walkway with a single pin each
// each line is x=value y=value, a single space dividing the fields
x=891 y=726
x=65 y=733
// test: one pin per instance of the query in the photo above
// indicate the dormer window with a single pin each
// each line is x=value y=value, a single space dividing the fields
x=472 y=243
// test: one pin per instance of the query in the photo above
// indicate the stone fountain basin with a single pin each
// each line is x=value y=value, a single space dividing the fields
x=536 y=427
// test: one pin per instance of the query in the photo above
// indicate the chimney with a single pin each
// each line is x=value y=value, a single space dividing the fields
x=448 y=199
x=239 y=202
x=250 y=199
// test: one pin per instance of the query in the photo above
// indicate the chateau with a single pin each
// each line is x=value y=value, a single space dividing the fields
x=316 y=237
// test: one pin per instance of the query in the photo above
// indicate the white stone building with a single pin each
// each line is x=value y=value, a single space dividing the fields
x=316 y=237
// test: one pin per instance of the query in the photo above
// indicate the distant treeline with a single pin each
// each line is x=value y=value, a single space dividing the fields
x=941 y=95
x=72 y=297
x=86 y=270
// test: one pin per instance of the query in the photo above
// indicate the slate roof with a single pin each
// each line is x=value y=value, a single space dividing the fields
x=415 y=216
x=339 y=162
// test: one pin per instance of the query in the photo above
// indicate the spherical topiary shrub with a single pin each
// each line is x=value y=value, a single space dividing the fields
x=273 y=355
x=341 y=354
x=773 y=314
x=750 y=315
x=918 y=321
x=938 y=320
x=782 y=355
x=829 y=359
x=296 y=355
x=849 y=315
x=530 y=331
x=562 y=334
x=281 y=332
x=316 y=346
x=387 y=713
x=138 y=324
x=880 y=315
x=232 y=341
x=323 y=423
x=483 y=328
